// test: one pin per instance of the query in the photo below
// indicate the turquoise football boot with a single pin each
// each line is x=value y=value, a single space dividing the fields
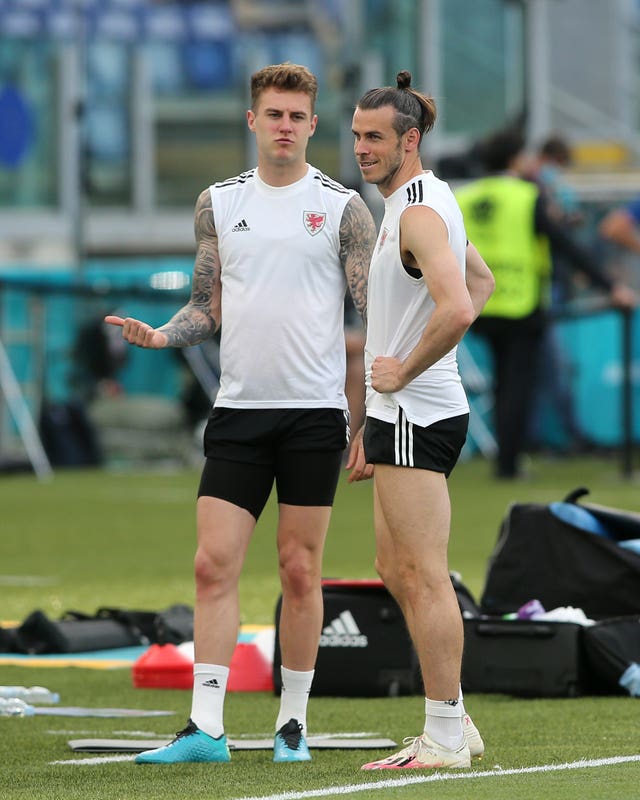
x=190 y=745
x=289 y=744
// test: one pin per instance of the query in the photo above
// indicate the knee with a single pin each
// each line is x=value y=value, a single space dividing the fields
x=299 y=572
x=210 y=570
x=407 y=579
x=389 y=577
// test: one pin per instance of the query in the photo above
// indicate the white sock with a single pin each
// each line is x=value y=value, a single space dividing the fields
x=443 y=722
x=294 y=697
x=207 y=704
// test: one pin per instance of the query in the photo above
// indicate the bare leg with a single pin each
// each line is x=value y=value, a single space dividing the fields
x=412 y=513
x=301 y=535
x=224 y=532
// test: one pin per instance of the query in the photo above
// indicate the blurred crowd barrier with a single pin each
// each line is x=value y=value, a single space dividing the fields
x=61 y=354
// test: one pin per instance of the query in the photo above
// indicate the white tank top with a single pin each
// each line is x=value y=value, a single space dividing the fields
x=399 y=307
x=283 y=288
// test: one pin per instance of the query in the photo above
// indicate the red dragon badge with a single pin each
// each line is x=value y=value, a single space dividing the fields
x=314 y=221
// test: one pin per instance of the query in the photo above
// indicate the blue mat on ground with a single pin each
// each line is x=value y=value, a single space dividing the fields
x=97 y=659
x=119 y=657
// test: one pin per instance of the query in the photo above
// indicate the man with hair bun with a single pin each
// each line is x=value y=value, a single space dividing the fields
x=426 y=286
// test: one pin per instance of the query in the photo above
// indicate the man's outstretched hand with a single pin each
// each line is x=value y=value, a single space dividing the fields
x=139 y=333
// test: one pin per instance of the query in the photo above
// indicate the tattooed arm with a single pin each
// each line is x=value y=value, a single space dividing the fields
x=200 y=317
x=357 y=239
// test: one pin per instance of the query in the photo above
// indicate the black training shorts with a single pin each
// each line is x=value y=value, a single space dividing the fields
x=403 y=444
x=247 y=450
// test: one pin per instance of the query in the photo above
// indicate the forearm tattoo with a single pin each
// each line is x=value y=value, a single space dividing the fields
x=357 y=240
x=200 y=317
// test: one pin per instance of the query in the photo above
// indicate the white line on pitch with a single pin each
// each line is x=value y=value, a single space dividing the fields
x=94 y=760
x=408 y=780
x=441 y=776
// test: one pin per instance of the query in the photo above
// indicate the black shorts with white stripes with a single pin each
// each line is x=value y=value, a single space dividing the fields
x=404 y=444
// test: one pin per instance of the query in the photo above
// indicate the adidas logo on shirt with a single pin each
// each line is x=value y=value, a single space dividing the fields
x=343 y=632
x=240 y=226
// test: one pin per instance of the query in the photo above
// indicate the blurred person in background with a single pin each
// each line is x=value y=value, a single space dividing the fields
x=277 y=246
x=422 y=298
x=99 y=354
x=547 y=168
x=620 y=227
x=509 y=221
x=553 y=390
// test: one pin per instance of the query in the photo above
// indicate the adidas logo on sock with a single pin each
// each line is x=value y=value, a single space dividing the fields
x=213 y=683
x=343 y=631
x=240 y=226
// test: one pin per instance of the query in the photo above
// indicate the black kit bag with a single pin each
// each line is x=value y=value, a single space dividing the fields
x=109 y=628
x=469 y=608
x=538 y=556
x=365 y=648
x=7 y=640
x=525 y=658
x=74 y=633
x=611 y=647
x=174 y=625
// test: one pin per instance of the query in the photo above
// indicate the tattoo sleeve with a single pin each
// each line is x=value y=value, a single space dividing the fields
x=357 y=240
x=200 y=317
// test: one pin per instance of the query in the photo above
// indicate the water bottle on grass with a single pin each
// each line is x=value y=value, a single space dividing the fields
x=15 y=707
x=34 y=695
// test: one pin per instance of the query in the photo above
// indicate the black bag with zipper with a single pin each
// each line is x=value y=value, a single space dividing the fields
x=539 y=556
x=109 y=628
x=74 y=633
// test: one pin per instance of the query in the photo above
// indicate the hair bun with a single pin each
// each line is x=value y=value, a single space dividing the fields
x=403 y=79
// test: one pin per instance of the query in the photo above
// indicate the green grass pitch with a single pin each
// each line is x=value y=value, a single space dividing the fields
x=126 y=539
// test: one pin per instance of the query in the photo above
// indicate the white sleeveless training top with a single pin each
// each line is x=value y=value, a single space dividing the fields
x=283 y=289
x=399 y=307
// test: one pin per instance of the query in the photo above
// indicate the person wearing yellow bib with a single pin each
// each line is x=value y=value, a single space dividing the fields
x=507 y=219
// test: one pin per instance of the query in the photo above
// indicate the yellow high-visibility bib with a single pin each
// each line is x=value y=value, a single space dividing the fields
x=499 y=220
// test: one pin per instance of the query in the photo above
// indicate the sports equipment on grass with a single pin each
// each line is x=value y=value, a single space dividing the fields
x=106 y=713
x=289 y=744
x=423 y=753
x=336 y=741
x=190 y=745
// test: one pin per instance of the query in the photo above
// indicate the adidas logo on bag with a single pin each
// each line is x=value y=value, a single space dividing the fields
x=240 y=226
x=343 y=632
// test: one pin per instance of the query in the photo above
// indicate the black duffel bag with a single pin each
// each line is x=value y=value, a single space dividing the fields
x=611 y=648
x=74 y=633
x=540 y=556
x=109 y=628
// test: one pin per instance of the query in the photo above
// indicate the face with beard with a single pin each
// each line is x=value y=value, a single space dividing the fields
x=379 y=150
